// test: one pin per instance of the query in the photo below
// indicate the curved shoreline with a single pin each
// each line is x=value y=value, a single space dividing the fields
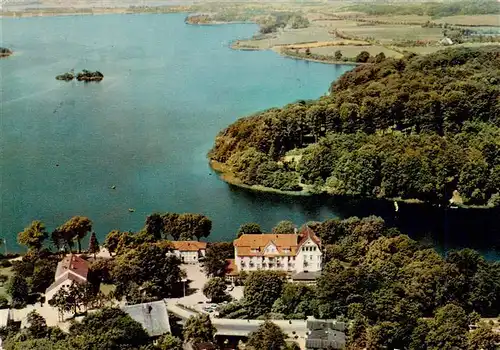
x=229 y=177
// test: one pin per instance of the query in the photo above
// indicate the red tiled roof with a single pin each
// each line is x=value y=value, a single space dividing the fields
x=306 y=233
x=189 y=246
x=73 y=263
x=248 y=242
x=286 y=244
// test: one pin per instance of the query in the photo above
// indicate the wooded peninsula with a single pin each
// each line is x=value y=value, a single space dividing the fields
x=421 y=128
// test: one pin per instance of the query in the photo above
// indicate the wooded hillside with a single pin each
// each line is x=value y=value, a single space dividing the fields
x=420 y=127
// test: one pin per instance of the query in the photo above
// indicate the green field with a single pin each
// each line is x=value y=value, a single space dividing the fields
x=353 y=51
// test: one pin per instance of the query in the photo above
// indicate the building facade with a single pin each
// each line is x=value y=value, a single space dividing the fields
x=70 y=269
x=295 y=252
x=189 y=252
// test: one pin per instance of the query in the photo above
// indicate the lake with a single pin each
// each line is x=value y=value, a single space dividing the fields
x=146 y=128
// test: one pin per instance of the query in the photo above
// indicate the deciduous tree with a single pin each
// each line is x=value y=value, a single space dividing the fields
x=262 y=288
x=93 y=245
x=216 y=256
x=76 y=228
x=169 y=342
x=284 y=226
x=215 y=289
x=33 y=235
x=199 y=329
x=249 y=228
x=267 y=337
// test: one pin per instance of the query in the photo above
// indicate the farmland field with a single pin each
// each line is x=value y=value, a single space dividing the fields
x=352 y=51
x=488 y=20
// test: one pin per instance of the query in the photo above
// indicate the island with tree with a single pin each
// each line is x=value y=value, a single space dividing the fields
x=422 y=128
x=84 y=75
x=5 y=52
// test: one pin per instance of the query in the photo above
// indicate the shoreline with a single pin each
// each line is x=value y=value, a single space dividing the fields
x=297 y=58
x=68 y=11
x=228 y=177
x=166 y=9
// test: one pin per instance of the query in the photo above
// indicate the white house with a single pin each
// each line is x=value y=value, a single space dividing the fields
x=295 y=252
x=71 y=269
x=189 y=251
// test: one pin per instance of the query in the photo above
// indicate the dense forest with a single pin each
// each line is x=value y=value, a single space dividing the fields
x=395 y=292
x=420 y=127
x=433 y=9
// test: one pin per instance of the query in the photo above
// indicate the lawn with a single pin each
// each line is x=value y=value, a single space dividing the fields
x=487 y=20
x=107 y=288
x=353 y=51
x=8 y=272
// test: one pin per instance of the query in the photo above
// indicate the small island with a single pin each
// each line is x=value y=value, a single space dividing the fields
x=5 y=52
x=84 y=75
x=66 y=76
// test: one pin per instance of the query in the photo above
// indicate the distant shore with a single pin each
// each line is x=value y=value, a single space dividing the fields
x=65 y=11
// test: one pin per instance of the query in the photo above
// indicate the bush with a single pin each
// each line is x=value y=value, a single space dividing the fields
x=4 y=302
x=5 y=263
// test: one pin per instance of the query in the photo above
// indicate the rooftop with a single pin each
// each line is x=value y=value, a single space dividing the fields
x=306 y=276
x=323 y=334
x=286 y=244
x=189 y=246
x=73 y=263
x=152 y=316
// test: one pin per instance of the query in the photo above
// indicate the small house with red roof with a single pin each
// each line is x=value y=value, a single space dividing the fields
x=70 y=269
x=189 y=252
x=293 y=252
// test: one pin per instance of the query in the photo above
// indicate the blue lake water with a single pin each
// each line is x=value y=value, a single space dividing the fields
x=146 y=128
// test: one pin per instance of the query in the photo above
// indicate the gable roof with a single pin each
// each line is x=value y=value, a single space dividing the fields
x=189 y=246
x=152 y=316
x=64 y=278
x=74 y=264
x=247 y=243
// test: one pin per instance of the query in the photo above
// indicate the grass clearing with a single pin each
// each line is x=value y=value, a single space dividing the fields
x=476 y=20
x=7 y=271
x=387 y=33
x=353 y=51
x=424 y=50
x=107 y=288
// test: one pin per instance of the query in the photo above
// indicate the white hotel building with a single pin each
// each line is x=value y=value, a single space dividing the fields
x=295 y=252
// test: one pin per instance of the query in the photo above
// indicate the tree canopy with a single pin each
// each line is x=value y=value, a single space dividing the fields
x=33 y=236
x=267 y=337
x=262 y=288
x=155 y=272
x=107 y=329
x=216 y=256
x=199 y=329
x=75 y=229
x=215 y=289
x=249 y=228
x=419 y=127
